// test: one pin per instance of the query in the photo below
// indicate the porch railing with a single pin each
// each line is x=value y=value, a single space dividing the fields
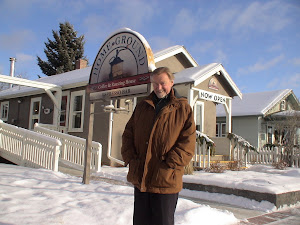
x=73 y=148
x=28 y=148
x=201 y=158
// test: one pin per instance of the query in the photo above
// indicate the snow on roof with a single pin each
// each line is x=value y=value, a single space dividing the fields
x=193 y=74
x=254 y=103
x=173 y=50
x=71 y=79
x=197 y=75
x=80 y=77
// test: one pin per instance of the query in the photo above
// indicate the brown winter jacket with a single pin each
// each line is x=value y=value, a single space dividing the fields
x=158 y=148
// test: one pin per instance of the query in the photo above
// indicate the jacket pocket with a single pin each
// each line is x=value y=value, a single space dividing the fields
x=133 y=172
x=164 y=177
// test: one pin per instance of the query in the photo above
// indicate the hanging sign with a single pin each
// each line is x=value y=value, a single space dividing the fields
x=210 y=96
x=122 y=66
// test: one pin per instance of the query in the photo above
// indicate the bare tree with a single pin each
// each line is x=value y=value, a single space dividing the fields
x=287 y=132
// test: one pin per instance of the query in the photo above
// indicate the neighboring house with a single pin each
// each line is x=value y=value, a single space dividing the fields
x=257 y=116
x=203 y=86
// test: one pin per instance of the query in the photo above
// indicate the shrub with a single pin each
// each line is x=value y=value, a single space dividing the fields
x=281 y=165
x=236 y=165
x=216 y=167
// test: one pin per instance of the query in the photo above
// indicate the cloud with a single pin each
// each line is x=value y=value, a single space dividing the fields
x=295 y=61
x=16 y=40
x=242 y=17
x=221 y=56
x=290 y=82
x=24 y=57
x=185 y=24
x=263 y=17
x=261 y=65
x=273 y=83
x=220 y=19
x=97 y=27
x=158 y=43
x=275 y=47
x=134 y=13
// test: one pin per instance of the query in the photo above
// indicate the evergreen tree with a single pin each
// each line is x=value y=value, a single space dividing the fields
x=63 y=51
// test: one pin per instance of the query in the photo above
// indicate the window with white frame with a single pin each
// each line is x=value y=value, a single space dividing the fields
x=35 y=111
x=4 y=110
x=76 y=115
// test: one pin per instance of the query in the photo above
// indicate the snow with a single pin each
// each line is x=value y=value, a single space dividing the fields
x=254 y=103
x=40 y=196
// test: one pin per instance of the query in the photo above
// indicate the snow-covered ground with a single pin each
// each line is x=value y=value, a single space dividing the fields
x=39 y=196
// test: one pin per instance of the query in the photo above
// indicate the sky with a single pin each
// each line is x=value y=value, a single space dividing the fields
x=256 y=41
x=40 y=196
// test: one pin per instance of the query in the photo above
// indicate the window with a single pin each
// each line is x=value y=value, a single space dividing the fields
x=35 y=110
x=220 y=129
x=223 y=130
x=199 y=116
x=77 y=111
x=282 y=105
x=270 y=134
x=217 y=130
x=64 y=109
x=4 y=110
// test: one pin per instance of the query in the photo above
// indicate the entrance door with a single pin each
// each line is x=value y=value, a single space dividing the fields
x=199 y=115
x=35 y=111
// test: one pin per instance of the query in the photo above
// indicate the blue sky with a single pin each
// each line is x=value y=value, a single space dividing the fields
x=258 y=42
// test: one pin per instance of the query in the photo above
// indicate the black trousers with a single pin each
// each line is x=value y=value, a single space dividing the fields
x=154 y=209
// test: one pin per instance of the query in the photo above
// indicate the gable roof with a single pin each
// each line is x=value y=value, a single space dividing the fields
x=258 y=103
x=197 y=75
x=171 y=51
x=80 y=77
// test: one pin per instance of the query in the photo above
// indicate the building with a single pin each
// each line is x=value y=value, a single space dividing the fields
x=204 y=86
x=261 y=118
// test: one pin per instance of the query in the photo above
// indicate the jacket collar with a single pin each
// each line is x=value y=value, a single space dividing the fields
x=174 y=96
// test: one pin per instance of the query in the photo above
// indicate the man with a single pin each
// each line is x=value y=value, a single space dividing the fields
x=158 y=141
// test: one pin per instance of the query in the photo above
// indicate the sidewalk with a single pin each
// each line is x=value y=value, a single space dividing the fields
x=288 y=217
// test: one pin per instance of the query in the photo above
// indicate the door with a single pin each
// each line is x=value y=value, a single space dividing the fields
x=35 y=111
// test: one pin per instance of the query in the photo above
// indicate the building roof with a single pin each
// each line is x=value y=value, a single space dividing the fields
x=80 y=77
x=174 y=50
x=255 y=103
x=197 y=75
x=71 y=79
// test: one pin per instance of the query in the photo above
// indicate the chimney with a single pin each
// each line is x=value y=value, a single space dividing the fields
x=12 y=68
x=80 y=64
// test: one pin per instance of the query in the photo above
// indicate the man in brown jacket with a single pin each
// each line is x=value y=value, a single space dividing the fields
x=158 y=141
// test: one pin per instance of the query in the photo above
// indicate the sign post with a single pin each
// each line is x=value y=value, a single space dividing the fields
x=87 y=155
x=121 y=69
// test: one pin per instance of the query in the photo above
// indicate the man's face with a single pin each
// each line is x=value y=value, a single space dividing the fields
x=161 y=84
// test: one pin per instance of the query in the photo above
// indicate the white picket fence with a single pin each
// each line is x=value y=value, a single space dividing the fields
x=73 y=148
x=28 y=148
x=266 y=156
